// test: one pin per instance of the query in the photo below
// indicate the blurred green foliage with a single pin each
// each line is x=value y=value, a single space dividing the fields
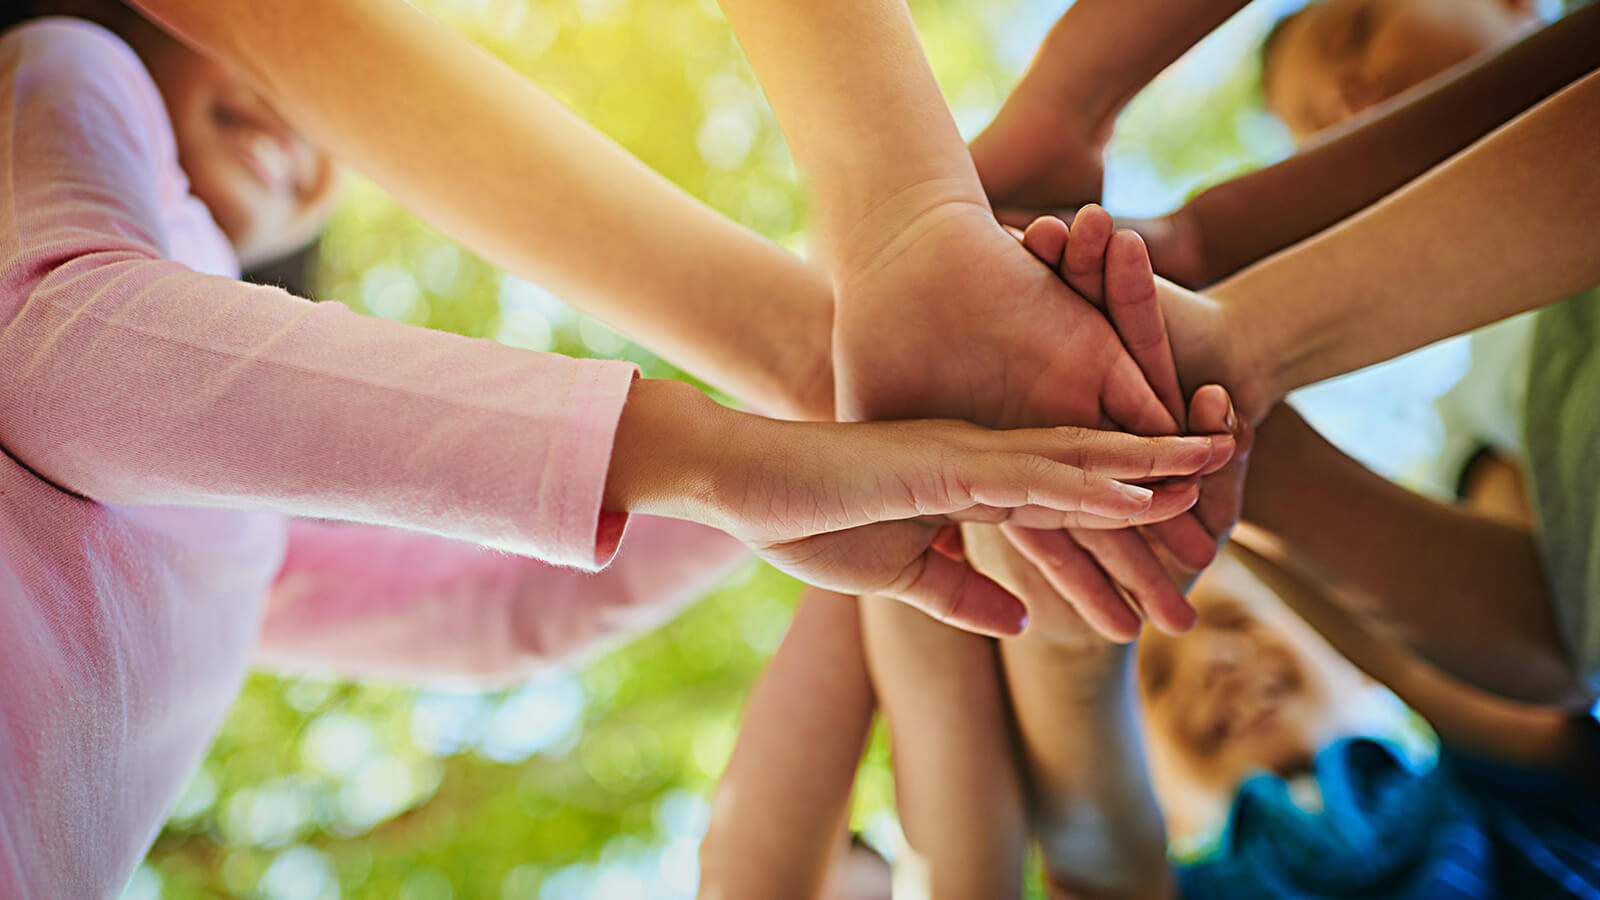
x=590 y=783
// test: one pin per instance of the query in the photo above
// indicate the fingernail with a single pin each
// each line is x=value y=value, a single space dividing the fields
x=1228 y=420
x=1136 y=493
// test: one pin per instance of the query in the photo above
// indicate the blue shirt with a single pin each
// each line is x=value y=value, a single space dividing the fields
x=1461 y=829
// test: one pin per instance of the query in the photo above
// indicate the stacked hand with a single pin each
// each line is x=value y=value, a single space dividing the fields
x=1114 y=270
x=806 y=496
x=952 y=317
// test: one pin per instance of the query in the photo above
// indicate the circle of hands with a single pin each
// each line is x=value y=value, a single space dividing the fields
x=1078 y=331
x=1073 y=331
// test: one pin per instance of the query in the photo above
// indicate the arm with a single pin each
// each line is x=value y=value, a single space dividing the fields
x=1503 y=227
x=402 y=604
x=1046 y=145
x=957 y=785
x=1075 y=704
x=1466 y=593
x=1484 y=725
x=782 y=802
x=149 y=383
x=1076 y=712
x=1250 y=217
x=532 y=187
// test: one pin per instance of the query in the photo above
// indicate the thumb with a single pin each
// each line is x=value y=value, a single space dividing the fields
x=953 y=592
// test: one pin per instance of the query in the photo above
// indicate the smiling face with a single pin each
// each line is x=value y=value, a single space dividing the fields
x=1336 y=58
x=269 y=189
x=1250 y=688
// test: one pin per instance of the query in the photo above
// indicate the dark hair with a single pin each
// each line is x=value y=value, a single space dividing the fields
x=15 y=12
x=113 y=15
x=1270 y=45
x=294 y=273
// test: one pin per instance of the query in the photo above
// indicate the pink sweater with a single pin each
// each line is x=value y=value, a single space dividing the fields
x=159 y=422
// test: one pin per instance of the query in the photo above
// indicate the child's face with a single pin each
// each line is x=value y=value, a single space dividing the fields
x=1249 y=688
x=268 y=188
x=1338 y=57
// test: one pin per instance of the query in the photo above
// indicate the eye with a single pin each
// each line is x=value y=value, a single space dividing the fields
x=1358 y=31
x=1155 y=667
x=1226 y=616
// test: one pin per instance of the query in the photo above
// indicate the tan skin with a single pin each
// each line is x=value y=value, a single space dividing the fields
x=1253 y=688
x=1338 y=58
x=676 y=452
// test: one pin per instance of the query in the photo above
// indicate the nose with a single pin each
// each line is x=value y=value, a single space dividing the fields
x=1357 y=92
x=1228 y=658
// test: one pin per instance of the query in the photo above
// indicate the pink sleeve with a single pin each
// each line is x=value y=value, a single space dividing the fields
x=129 y=378
x=374 y=601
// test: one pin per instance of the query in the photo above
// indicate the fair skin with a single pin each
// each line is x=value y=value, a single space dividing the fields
x=902 y=218
x=798 y=494
x=1310 y=313
x=917 y=212
x=1345 y=168
x=932 y=681
x=1061 y=361
x=1091 y=802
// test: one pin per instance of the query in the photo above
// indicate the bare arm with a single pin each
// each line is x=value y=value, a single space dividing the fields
x=1255 y=215
x=781 y=804
x=1076 y=711
x=1046 y=145
x=1464 y=592
x=957 y=785
x=1487 y=726
x=473 y=147
x=1503 y=227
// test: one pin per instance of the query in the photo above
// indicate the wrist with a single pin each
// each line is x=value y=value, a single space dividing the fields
x=667 y=452
x=1258 y=344
x=1064 y=79
x=882 y=230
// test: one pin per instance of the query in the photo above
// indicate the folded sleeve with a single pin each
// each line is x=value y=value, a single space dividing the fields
x=364 y=601
x=127 y=377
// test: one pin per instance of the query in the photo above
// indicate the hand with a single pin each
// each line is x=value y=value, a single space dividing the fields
x=803 y=494
x=949 y=316
x=1177 y=251
x=1035 y=155
x=1218 y=510
x=1113 y=270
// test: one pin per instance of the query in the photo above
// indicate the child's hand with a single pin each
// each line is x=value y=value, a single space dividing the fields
x=801 y=494
x=1088 y=568
x=1176 y=250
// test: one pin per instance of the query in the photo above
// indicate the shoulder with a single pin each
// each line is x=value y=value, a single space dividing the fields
x=74 y=65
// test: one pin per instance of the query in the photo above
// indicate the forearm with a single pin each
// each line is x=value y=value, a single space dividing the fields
x=781 y=804
x=1250 y=217
x=1094 y=814
x=1464 y=592
x=1075 y=709
x=861 y=111
x=956 y=783
x=1103 y=52
x=470 y=145
x=393 y=603
x=1468 y=719
x=1504 y=227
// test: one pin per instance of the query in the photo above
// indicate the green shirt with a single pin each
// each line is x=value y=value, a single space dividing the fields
x=1563 y=441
